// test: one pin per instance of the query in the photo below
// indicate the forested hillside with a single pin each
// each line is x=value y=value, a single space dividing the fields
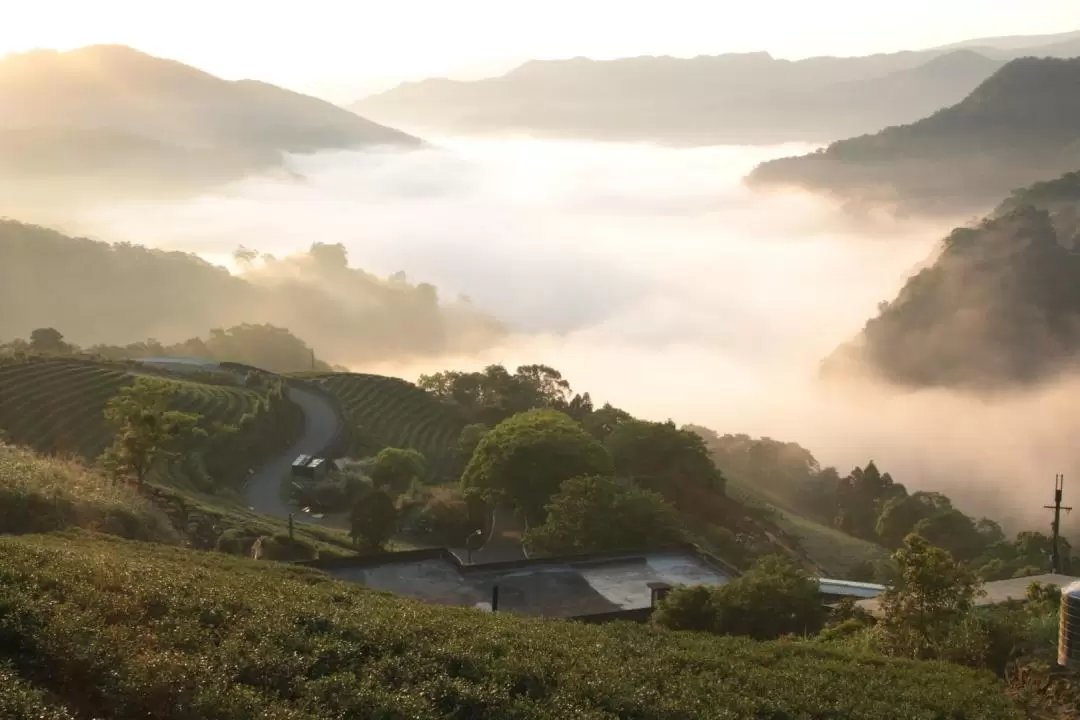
x=999 y=305
x=107 y=120
x=96 y=293
x=1019 y=126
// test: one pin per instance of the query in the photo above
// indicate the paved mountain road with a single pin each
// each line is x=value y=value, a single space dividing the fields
x=321 y=426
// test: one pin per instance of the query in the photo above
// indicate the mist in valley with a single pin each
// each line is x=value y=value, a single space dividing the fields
x=652 y=278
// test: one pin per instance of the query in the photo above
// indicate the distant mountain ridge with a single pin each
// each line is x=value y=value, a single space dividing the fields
x=1020 y=125
x=743 y=98
x=113 y=115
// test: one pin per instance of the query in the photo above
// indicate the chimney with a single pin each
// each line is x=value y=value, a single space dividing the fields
x=658 y=591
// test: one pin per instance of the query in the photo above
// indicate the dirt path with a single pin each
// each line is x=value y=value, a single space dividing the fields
x=263 y=492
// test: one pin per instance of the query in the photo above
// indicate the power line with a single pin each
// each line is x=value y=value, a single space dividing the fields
x=1055 y=557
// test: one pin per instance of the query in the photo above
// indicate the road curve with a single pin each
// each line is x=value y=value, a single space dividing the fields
x=321 y=426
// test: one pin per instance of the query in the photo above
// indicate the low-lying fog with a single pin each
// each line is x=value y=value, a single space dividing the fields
x=652 y=278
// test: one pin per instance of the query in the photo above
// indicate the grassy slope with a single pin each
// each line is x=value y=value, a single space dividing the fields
x=396 y=413
x=43 y=494
x=118 y=629
x=829 y=548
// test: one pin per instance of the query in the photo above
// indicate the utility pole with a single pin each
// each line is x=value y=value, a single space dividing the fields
x=1055 y=557
x=312 y=358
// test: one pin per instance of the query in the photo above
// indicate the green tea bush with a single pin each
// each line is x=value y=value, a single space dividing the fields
x=124 y=630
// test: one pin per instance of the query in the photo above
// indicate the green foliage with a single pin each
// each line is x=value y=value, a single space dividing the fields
x=123 y=630
x=930 y=598
x=463 y=450
x=494 y=395
x=395 y=468
x=48 y=340
x=526 y=458
x=662 y=454
x=147 y=431
x=373 y=519
x=774 y=598
x=594 y=514
x=19 y=700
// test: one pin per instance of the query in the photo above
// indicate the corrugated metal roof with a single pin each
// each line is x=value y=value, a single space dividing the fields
x=850 y=588
x=998 y=591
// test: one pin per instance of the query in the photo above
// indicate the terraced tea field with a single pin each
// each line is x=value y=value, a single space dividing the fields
x=56 y=406
x=397 y=413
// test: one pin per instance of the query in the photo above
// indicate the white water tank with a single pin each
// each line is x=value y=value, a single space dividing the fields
x=1069 y=631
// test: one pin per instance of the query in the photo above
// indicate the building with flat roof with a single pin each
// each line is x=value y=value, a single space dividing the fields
x=590 y=587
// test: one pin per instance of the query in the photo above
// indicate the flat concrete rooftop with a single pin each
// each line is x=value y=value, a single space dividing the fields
x=555 y=587
x=569 y=586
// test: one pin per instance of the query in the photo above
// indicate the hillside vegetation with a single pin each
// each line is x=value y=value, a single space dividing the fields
x=56 y=405
x=390 y=412
x=1019 y=126
x=107 y=121
x=108 y=628
x=114 y=295
x=999 y=306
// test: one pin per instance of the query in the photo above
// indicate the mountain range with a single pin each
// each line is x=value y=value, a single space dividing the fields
x=750 y=98
x=110 y=119
x=1019 y=126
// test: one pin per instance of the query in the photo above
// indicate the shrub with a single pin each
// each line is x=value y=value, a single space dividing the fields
x=773 y=598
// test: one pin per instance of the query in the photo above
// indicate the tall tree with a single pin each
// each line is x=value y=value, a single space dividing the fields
x=395 y=468
x=373 y=519
x=48 y=340
x=148 y=432
x=929 y=596
x=524 y=460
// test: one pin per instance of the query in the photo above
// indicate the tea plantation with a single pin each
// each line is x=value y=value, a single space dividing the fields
x=387 y=411
x=56 y=405
x=103 y=627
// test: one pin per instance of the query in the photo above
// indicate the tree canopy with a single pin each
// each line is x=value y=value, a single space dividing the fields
x=394 y=468
x=593 y=514
x=663 y=454
x=526 y=458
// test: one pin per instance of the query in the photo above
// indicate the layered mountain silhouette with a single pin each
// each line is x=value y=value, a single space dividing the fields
x=108 y=117
x=733 y=98
x=998 y=306
x=1020 y=125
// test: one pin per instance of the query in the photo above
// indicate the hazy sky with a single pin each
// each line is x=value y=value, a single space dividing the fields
x=343 y=48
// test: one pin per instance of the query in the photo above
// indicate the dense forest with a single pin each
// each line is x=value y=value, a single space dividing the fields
x=108 y=121
x=998 y=306
x=96 y=293
x=1019 y=126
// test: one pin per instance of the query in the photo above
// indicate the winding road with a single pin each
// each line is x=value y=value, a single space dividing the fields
x=321 y=426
